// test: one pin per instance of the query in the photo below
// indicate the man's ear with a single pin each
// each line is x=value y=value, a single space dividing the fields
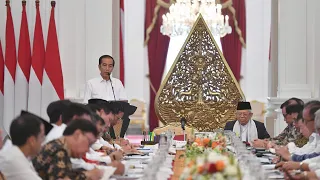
x=31 y=140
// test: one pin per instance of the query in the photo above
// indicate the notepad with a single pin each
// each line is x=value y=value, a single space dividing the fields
x=264 y=160
x=268 y=166
x=276 y=177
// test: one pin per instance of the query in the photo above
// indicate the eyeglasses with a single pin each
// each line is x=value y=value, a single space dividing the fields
x=89 y=141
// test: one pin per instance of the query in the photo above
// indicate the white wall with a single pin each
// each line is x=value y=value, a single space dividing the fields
x=298 y=54
x=255 y=58
x=84 y=33
x=298 y=57
x=135 y=74
x=136 y=61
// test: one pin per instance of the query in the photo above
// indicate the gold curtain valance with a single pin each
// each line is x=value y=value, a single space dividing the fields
x=161 y=4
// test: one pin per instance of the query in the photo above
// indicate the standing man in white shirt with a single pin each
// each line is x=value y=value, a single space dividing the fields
x=105 y=87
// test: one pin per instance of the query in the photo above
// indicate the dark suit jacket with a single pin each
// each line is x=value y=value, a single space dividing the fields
x=262 y=131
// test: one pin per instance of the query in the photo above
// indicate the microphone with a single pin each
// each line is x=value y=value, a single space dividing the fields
x=183 y=123
x=114 y=96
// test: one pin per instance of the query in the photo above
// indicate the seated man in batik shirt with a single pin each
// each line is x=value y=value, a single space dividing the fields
x=54 y=160
x=291 y=132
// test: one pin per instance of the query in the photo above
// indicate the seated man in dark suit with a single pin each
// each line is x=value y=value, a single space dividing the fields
x=244 y=127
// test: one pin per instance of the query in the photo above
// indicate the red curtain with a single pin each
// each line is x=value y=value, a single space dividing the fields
x=231 y=44
x=157 y=53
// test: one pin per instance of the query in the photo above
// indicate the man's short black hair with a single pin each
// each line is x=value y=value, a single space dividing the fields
x=116 y=107
x=96 y=119
x=106 y=56
x=56 y=108
x=289 y=101
x=74 y=109
x=94 y=107
x=23 y=127
x=297 y=100
x=299 y=117
x=106 y=107
x=285 y=104
x=84 y=125
x=294 y=108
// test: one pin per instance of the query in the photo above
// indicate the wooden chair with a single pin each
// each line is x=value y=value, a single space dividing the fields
x=117 y=129
x=258 y=110
x=139 y=117
x=176 y=128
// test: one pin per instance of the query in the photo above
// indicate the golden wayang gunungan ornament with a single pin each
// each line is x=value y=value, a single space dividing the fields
x=200 y=85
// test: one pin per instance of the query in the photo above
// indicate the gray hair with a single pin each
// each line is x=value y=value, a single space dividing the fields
x=317 y=119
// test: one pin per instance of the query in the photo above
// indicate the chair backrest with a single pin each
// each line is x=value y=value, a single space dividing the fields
x=138 y=119
x=117 y=129
x=176 y=128
x=141 y=109
x=258 y=110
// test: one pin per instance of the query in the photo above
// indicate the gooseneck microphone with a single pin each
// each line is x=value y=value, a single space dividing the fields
x=114 y=96
x=183 y=123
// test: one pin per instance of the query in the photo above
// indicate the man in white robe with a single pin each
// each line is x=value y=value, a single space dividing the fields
x=244 y=127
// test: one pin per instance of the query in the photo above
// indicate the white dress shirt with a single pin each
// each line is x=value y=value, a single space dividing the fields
x=92 y=155
x=14 y=165
x=101 y=142
x=7 y=145
x=96 y=145
x=314 y=165
x=78 y=163
x=55 y=133
x=97 y=156
x=244 y=132
x=106 y=143
x=99 y=88
x=308 y=148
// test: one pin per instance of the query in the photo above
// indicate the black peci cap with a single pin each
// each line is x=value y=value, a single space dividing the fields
x=244 y=106
x=47 y=125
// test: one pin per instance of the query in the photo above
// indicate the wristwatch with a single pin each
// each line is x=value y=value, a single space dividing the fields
x=300 y=166
x=290 y=158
